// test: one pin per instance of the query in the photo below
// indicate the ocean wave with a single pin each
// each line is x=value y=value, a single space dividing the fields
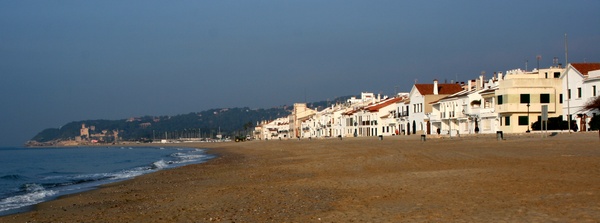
x=126 y=174
x=13 y=177
x=59 y=182
x=161 y=164
x=34 y=193
x=189 y=157
x=74 y=178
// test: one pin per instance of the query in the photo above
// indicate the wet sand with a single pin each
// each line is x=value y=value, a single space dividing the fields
x=470 y=179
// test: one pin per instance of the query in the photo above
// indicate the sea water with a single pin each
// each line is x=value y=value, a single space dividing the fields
x=29 y=176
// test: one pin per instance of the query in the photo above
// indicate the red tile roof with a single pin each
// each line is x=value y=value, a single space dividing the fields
x=351 y=112
x=427 y=89
x=584 y=68
x=383 y=104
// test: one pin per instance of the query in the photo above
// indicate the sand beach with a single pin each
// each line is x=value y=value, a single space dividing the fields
x=524 y=178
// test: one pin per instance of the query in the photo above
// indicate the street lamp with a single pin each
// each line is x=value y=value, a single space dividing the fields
x=528 y=118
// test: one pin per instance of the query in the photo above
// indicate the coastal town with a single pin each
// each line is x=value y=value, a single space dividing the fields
x=514 y=101
x=503 y=102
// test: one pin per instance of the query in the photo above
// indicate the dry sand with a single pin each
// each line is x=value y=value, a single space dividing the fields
x=469 y=179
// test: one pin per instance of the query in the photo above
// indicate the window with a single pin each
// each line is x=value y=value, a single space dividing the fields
x=556 y=74
x=546 y=75
x=507 y=120
x=544 y=98
x=523 y=120
x=594 y=90
x=578 y=92
x=524 y=98
x=560 y=98
x=569 y=94
x=499 y=99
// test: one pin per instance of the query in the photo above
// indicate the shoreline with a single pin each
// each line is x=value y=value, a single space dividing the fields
x=522 y=178
x=68 y=183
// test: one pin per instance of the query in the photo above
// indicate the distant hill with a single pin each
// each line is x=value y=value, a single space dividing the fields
x=205 y=124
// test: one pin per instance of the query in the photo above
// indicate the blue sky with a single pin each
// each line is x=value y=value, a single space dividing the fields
x=63 y=61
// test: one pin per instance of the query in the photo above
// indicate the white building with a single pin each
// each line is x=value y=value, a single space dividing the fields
x=486 y=114
x=276 y=129
x=413 y=118
x=580 y=82
x=468 y=111
x=339 y=120
x=378 y=118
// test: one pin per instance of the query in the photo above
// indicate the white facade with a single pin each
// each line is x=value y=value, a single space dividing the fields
x=378 y=119
x=446 y=114
x=276 y=129
x=415 y=123
x=470 y=111
x=580 y=83
x=489 y=122
x=342 y=120
x=414 y=114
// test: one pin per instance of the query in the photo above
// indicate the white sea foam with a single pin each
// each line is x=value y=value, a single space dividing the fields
x=188 y=157
x=34 y=194
x=161 y=164
x=128 y=174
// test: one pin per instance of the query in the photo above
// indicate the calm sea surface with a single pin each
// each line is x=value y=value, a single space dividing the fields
x=30 y=176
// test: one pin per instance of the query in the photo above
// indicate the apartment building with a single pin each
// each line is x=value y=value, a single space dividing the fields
x=521 y=94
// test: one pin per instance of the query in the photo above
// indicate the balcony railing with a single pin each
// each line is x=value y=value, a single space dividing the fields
x=434 y=117
x=403 y=114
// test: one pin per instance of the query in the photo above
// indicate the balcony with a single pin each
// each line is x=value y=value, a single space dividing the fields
x=448 y=115
x=435 y=118
x=522 y=108
x=403 y=114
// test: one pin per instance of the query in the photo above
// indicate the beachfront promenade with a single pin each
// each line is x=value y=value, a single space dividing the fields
x=525 y=178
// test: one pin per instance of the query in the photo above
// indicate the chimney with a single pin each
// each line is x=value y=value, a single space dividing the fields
x=481 y=78
x=469 y=88
x=435 y=86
